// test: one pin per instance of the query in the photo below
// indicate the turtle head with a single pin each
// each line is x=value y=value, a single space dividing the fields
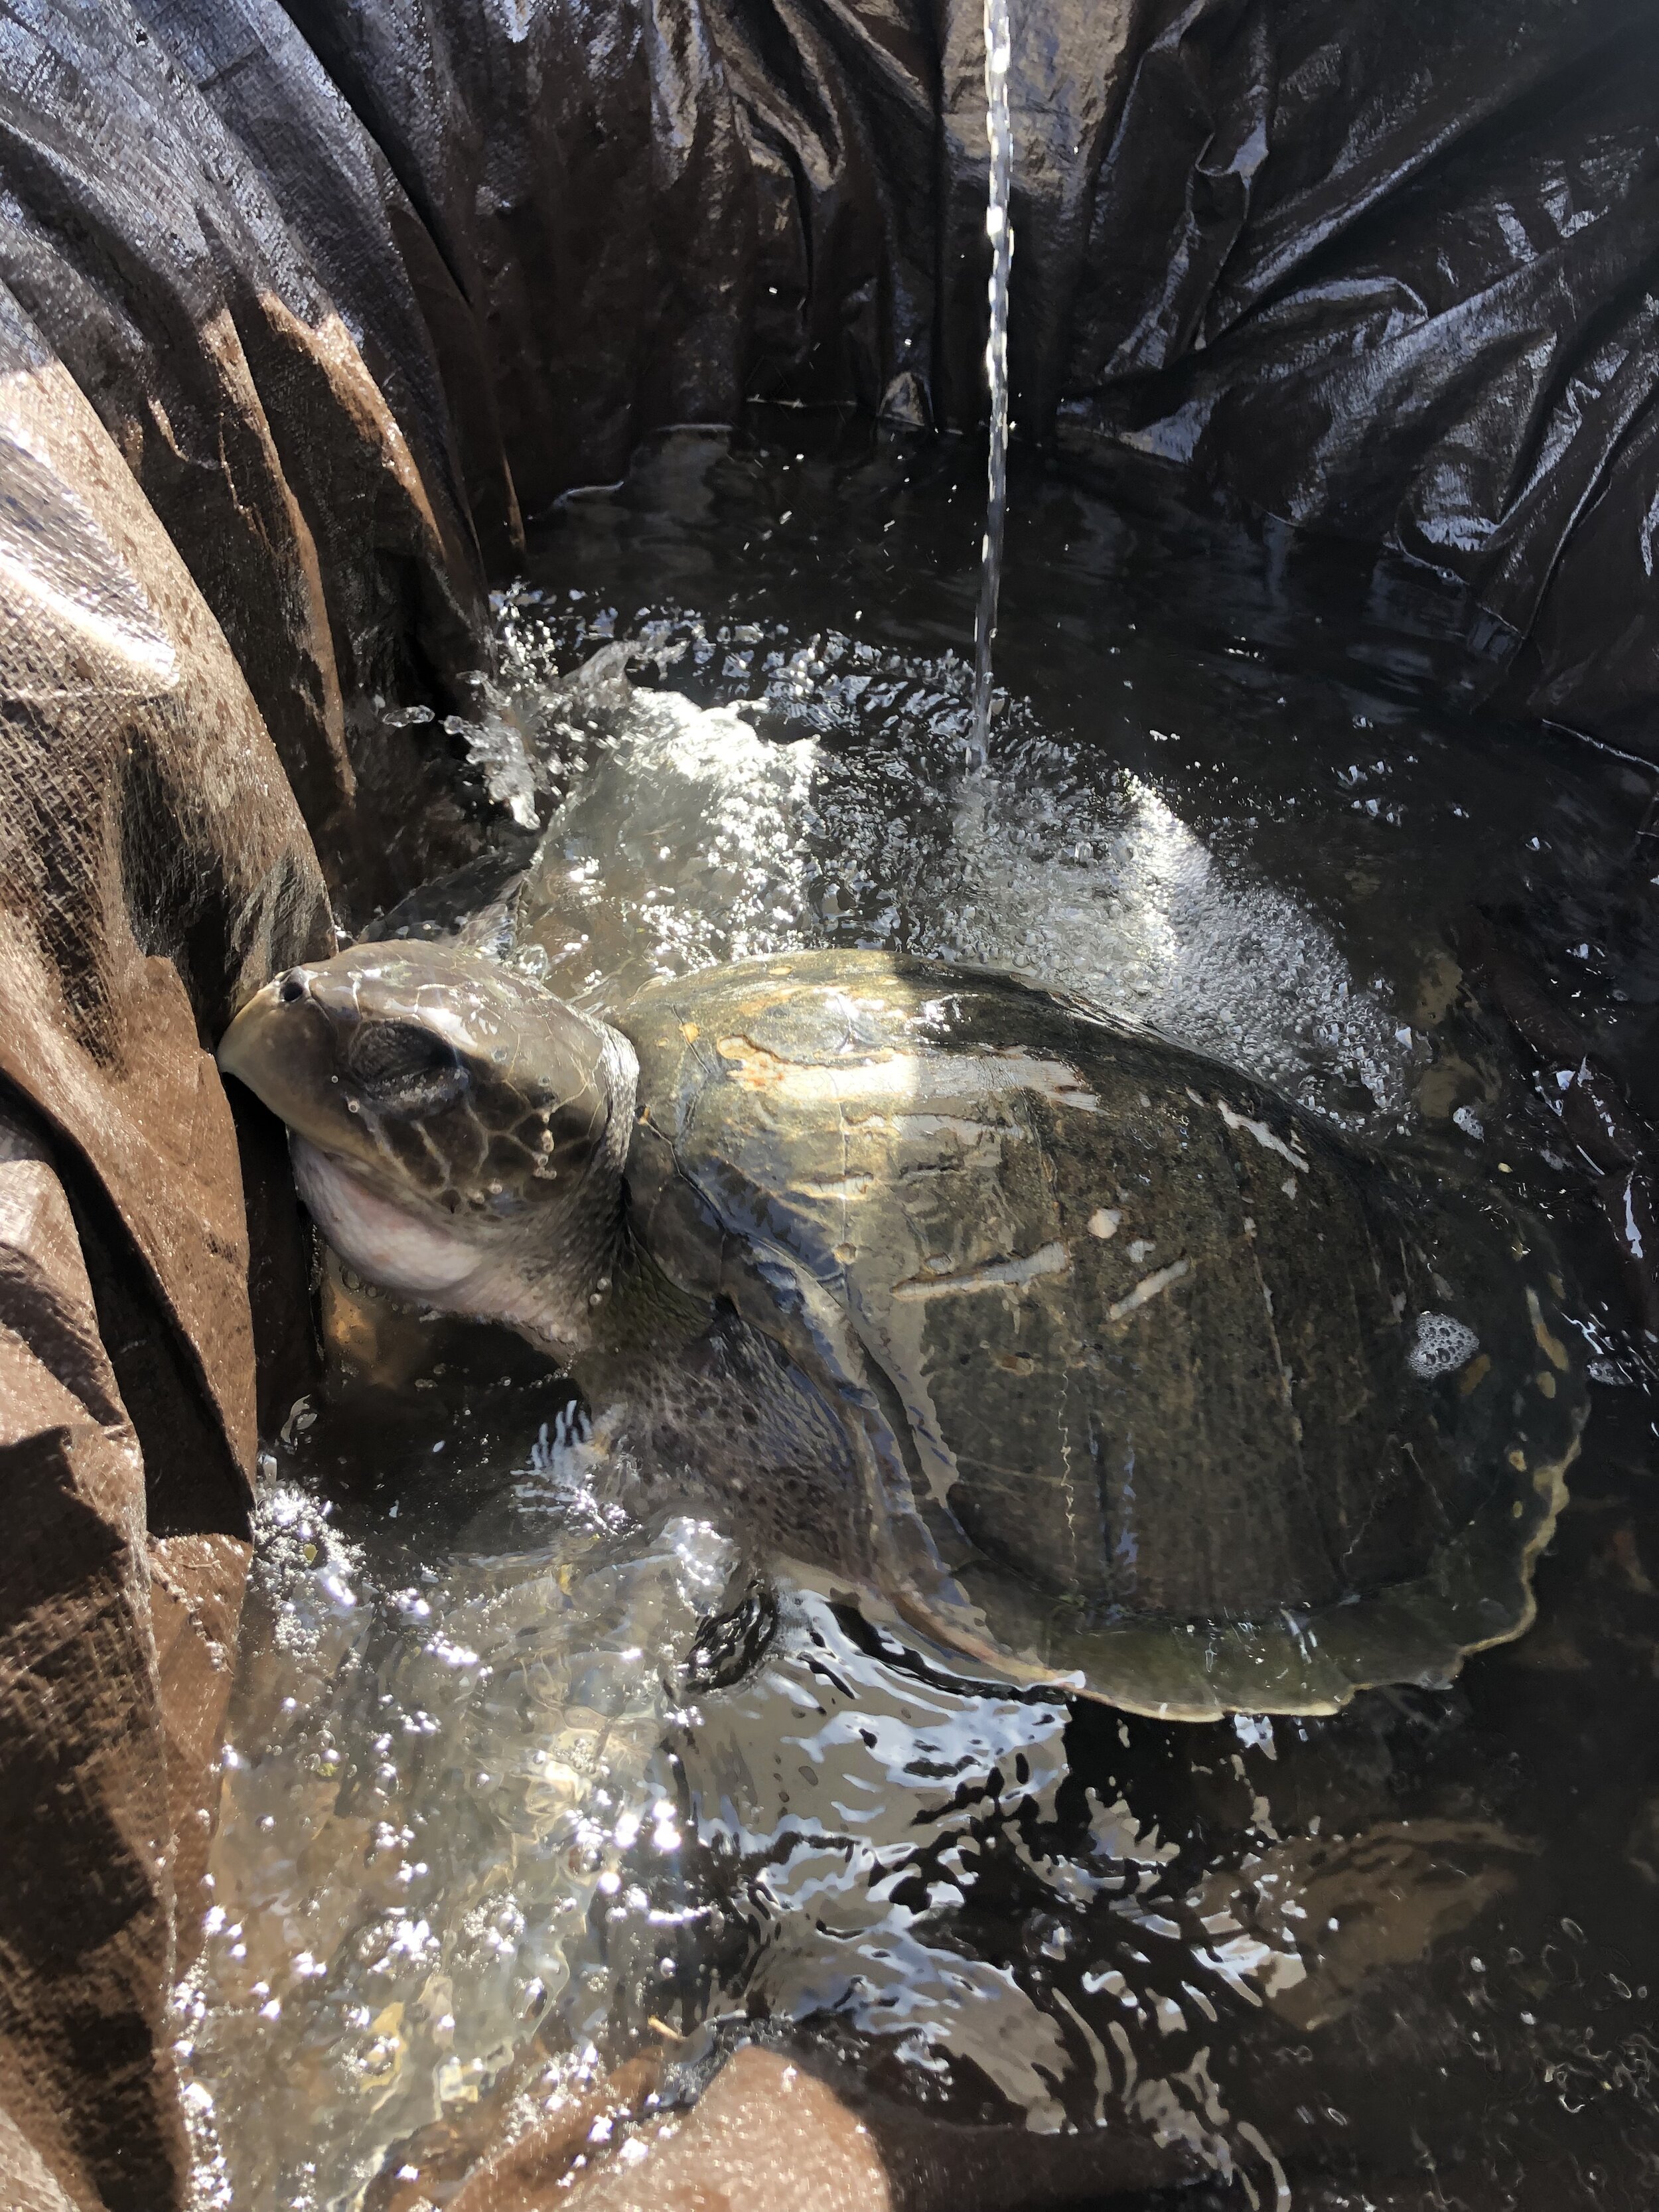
x=458 y=1133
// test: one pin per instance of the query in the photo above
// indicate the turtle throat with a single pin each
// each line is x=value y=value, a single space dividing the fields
x=562 y=1291
x=394 y=1245
x=551 y=1276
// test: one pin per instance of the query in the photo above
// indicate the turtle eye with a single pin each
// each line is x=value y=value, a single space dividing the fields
x=403 y=1067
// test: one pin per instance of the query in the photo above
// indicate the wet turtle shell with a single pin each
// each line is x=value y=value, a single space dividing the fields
x=1167 y=1390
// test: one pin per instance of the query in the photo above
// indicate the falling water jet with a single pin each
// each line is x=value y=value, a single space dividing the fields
x=998 y=45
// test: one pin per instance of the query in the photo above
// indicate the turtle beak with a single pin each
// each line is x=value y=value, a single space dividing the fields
x=284 y=1046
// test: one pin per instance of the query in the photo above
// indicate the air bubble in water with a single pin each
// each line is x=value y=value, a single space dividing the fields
x=1440 y=1346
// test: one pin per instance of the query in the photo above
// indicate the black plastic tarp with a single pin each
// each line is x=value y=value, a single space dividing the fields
x=1384 y=270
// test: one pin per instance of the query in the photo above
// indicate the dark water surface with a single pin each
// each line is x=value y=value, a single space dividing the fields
x=477 y=1818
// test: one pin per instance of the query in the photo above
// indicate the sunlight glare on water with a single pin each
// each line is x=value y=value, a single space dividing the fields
x=434 y=1772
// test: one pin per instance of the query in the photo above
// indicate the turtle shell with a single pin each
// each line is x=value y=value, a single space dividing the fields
x=1179 y=1398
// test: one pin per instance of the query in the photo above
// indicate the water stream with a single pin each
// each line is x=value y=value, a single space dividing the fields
x=481 y=1839
x=998 y=225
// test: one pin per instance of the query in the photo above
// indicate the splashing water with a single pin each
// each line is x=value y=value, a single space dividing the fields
x=825 y=809
x=999 y=40
x=443 y=1760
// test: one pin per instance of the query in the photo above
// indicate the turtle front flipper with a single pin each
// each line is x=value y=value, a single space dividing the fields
x=969 y=1604
x=918 y=1562
x=1477 y=1590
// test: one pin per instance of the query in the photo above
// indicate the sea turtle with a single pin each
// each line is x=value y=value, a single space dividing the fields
x=1087 y=1355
